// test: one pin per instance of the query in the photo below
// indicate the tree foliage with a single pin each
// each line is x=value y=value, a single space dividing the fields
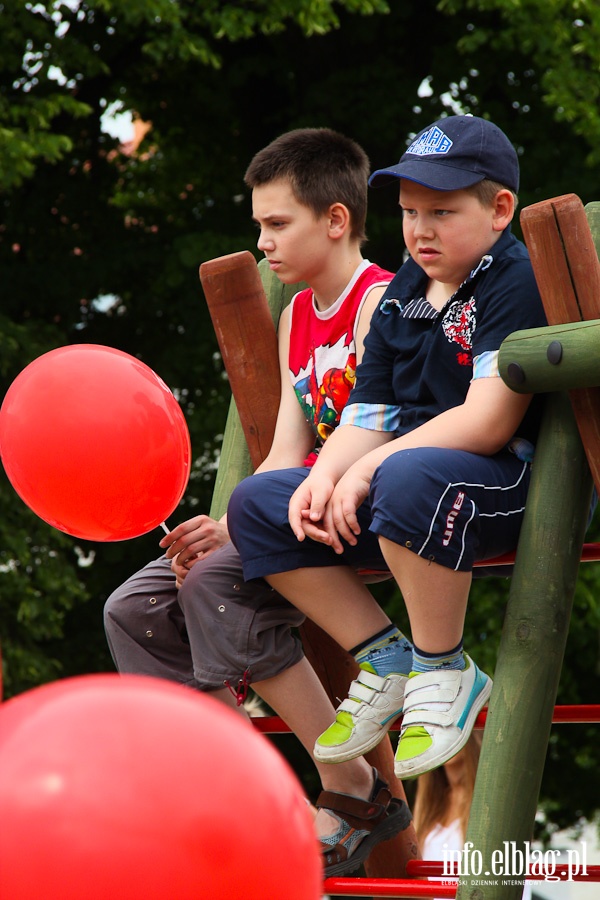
x=101 y=242
x=561 y=38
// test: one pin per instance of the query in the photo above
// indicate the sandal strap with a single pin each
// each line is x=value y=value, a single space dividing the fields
x=333 y=855
x=361 y=814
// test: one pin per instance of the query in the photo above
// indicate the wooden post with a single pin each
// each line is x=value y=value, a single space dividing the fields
x=242 y=323
x=543 y=583
x=565 y=262
x=531 y=651
x=245 y=315
x=592 y=212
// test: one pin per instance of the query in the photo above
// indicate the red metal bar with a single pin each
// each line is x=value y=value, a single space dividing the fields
x=589 y=553
x=409 y=888
x=569 y=713
x=387 y=887
x=421 y=868
x=563 y=715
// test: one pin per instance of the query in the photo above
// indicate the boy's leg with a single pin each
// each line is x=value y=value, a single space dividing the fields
x=446 y=507
x=145 y=628
x=455 y=508
x=446 y=691
x=356 y=809
x=335 y=599
x=376 y=697
x=323 y=585
x=435 y=597
x=332 y=595
x=240 y=633
x=298 y=697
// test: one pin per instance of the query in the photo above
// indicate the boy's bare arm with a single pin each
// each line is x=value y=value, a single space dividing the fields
x=364 y=320
x=293 y=439
x=310 y=500
x=200 y=536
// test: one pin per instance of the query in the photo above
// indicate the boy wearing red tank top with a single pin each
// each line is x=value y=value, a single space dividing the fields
x=189 y=616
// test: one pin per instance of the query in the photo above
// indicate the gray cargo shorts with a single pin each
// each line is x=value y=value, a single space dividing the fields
x=218 y=630
x=237 y=630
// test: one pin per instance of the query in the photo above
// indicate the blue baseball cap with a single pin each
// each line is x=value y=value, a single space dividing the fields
x=454 y=153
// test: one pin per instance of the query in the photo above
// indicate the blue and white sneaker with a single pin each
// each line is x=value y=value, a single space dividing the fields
x=440 y=709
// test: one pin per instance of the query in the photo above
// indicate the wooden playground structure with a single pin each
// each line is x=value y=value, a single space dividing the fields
x=562 y=361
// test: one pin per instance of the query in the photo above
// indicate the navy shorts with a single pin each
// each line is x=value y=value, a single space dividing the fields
x=449 y=506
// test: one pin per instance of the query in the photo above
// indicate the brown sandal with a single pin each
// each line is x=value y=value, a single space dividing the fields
x=363 y=825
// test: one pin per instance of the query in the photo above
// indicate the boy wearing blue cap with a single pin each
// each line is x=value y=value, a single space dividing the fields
x=429 y=469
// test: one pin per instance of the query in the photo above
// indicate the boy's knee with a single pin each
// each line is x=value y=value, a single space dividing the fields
x=262 y=500
x=125 y=615
x=116 y=608
x=248 y=498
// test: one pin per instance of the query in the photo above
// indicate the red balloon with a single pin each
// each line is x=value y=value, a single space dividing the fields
x=129 y=788
x=95 y=443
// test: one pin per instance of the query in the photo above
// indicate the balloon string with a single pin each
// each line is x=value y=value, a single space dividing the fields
x=165 y=527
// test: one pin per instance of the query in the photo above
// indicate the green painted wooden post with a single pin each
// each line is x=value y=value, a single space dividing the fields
x=543 y=584
x=234 y=463
x=530 y=656
x=592 y=211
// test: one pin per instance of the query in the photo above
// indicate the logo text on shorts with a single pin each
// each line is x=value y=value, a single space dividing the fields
x=456 y=508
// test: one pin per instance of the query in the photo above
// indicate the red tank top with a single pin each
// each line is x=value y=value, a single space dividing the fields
x=322 y=358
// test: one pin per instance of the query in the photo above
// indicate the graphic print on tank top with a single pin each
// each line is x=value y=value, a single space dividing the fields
x=322 y=357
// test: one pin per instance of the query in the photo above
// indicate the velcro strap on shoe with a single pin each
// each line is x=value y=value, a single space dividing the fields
x=334 y=855
x=376 y=682
x=427 y=717
x=432 y=687
x=369 y=680
x=351 y=706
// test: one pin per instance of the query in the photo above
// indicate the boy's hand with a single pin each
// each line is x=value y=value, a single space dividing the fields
x=325 y=513
x=351 y=490
x=191 y=541
x=307 y=508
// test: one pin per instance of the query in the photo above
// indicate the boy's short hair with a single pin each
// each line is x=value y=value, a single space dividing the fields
x=485 y=191
x=322 y=167
x=455 y=153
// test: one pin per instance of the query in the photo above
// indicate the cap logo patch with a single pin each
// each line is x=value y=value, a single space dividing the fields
x=431 y=141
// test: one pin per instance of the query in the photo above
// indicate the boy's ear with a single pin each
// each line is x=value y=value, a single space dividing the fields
x=504 y=209
x=339 y=220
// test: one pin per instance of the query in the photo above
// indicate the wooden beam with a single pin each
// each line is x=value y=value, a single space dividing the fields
x=556 y=358
x=248 y=344
x=566 y=267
